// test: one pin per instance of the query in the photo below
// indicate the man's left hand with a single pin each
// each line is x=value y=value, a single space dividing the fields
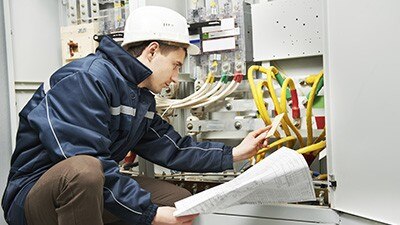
x=254 y=141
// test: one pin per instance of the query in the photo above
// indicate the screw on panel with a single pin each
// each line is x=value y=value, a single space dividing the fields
x=228 y=106
x=321 y=197
x=238 y=125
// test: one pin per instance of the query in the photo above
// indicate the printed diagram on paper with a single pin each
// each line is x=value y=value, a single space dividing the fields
x=282 y=177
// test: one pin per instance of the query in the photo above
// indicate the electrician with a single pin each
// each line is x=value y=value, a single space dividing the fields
x=90 y=114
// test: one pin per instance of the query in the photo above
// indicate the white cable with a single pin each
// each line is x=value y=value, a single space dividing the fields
x=164 y=102
x=200 y=98
x=227 y=91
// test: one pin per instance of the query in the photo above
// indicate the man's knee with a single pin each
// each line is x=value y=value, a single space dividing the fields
x=88 y=171
x=175 y=194
x=183 y=193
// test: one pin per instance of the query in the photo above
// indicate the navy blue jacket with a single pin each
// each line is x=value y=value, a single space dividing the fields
x=93 y=106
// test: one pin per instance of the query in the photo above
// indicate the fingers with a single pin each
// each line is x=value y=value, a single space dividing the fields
x=260 y=131
x=265 y=143
x=187 y=218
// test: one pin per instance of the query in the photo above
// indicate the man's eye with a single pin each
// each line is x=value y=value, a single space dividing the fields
x=177 y=67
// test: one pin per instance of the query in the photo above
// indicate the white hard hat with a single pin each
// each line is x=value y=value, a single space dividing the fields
x=157 y=23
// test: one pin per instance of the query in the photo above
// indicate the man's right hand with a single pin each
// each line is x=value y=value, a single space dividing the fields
x=165 y=216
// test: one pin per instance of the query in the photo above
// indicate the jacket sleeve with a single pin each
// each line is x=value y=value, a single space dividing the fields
x=73 y=119
x=164 y=146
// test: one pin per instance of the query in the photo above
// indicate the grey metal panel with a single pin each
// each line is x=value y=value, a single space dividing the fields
x=286 y=29
x=239 y=220
x=347 y=219
x=5 y=126
x=281 y=215
x=270 y=215
x=305 y=213
x=36 y=38
x=361 y=80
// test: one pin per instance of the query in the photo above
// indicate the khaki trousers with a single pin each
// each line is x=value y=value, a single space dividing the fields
x=71 y=192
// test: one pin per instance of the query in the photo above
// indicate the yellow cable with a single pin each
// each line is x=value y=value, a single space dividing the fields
x=289 y=81
x=258 y=100
x=258 y=97
x=276 y=143
x=259 y=91
x=309 y=108
x=310 y=80
x=311 y=148
x=322 y=177
x=281 y=70
x=270 y=72
x=210 y=78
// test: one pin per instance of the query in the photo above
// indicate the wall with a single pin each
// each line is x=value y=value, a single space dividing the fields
x=5 y=137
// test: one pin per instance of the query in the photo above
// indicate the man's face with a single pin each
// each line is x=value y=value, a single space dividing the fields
x=165 y=69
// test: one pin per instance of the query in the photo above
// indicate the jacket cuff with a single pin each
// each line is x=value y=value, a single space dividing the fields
x=149 y=214
x=227 y=158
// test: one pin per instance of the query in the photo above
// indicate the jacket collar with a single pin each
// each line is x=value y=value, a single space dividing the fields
x=131 y=68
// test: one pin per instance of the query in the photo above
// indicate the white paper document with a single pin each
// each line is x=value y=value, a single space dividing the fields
x=282 y=177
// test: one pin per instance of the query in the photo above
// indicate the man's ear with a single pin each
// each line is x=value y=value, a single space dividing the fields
x=151 y=50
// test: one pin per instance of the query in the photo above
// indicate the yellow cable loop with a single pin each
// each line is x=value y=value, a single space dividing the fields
x=284 y=125
x=309 y=108
x=311 y=148
x=276 y=143
x=270 y=72
x=258 y=100
x=289 y=81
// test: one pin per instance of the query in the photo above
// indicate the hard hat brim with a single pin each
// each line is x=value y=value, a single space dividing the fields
x=193 y=50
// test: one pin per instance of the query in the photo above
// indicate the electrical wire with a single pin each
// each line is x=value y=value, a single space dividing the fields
x=163 y=103
x=221 y=94
x=310 y=103
x=311 y=148
x=295 y=108
x=275 y=144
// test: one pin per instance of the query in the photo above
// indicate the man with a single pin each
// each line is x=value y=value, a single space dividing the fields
x=91 y=113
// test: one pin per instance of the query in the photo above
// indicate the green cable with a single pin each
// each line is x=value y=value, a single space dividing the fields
x=224 y=78
x=319 y=86
x=280 y=80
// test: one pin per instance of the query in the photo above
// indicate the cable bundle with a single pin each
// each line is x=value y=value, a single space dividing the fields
x=280 y=107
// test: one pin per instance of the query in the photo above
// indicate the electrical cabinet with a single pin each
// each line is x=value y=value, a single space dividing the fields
x=357 y=44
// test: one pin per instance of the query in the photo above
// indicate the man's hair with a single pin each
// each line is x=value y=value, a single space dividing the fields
x=136 y=49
